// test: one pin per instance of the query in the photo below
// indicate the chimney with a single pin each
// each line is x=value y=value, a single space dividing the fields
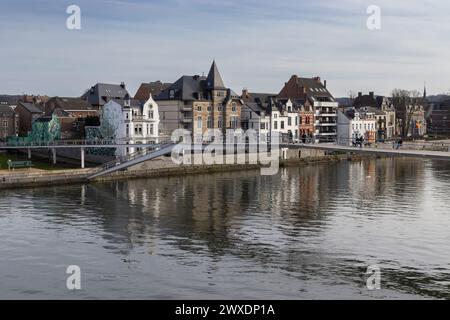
x=317 y=79
x=325 y=83
x=122 y=85
x=245 y=93
x=371 y=94
x=359 y=94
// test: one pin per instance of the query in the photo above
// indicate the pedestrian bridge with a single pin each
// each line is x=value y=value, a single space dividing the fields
x=417 y=150
x=132 y=160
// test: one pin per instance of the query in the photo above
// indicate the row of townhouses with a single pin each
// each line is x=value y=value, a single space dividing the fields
x=304 y=110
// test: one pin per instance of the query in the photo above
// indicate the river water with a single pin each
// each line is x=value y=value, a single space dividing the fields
x=307 y=233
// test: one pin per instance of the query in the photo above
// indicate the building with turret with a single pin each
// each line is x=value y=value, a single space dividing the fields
x=198 y=103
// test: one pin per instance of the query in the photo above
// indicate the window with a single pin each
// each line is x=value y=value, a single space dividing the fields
x=152 y=129
x=199 y=122
x=233 y=107
x=127 y=115
x=282 y=124
x=289 y=121
x=233 y=122
x=263 y=126
x=219 y=108
x=150 y=114
x=296 y=120
x=5 y=124
x=219 y=122
x=275 y=125
x=171 y=94
x=127 y=130
x=275 y=116
x=199 y=108
x=301 y=120
x=138 y=129
x=210 y=123
x=209 y=108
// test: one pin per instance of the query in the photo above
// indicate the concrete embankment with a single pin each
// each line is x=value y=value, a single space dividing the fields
x=27 y=178
x=161 y=167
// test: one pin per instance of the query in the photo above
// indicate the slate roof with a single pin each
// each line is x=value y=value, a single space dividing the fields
x=186 y=88
x=153 y=88
x=9 y=100
x=365 y=101
x=31 y=107
x=102 y=92
x=311 y=88
x=67 y=104
x=6 y=111
x=214 y=80
x=193 y=88
x=134 y=103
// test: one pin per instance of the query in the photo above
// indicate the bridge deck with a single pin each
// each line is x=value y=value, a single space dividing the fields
x=381 y=151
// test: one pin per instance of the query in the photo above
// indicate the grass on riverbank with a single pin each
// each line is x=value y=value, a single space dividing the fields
x=37 y=162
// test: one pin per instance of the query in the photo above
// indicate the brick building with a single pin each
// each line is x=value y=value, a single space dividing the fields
x=316 y=103
x=197 y=103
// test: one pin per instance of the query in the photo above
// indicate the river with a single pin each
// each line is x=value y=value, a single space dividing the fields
x=309 y=232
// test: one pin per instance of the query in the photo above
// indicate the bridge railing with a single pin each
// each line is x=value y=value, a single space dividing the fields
x=72 y=142
x=144 y=151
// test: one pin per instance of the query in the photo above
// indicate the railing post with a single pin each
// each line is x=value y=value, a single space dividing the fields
x=53 y=155
x=82 y=158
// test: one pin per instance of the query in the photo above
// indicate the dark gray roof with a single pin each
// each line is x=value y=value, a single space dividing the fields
x=31 y=107
x=262 y=99
x=134 y=103
x=365 y=101
x=102 y=92
x=214 y=80
x=9 y=99
x=376 y=111
x=6 y=111
x=186 y=88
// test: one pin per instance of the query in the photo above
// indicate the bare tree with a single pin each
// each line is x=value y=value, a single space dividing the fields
x=406 y=103
x=352 y=97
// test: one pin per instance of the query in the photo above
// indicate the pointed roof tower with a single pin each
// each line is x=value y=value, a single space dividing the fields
x=425 y=90
x=214 y=80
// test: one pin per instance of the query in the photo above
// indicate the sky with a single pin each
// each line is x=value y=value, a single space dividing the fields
x=257 y=44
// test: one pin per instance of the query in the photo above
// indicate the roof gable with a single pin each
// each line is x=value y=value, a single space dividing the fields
x=214 y=80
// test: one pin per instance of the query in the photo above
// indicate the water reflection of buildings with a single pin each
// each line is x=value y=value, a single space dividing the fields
x=280 y=221
x=210 y=209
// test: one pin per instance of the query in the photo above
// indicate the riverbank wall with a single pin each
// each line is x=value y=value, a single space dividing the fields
x=162 y=167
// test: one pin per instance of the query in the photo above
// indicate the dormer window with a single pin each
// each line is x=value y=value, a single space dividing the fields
x=171 y=94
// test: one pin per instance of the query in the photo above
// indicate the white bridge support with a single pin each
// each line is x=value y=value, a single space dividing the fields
x=82 y=158
x=53 y=156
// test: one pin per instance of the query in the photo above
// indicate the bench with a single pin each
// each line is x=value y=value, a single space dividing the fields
x=19 y=164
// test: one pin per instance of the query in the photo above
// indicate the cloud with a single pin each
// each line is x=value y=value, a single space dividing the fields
x=258 y=44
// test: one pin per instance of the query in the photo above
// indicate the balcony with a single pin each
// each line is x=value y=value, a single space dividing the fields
x=138 y=119
x=186 y=120
x=325 y=104
x=327 y=124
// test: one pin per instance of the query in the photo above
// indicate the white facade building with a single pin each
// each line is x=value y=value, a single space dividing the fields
x=285 y=118
x=131 y=122
x=353 y=125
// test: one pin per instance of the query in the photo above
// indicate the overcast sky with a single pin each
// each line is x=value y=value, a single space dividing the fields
x=257 y=44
